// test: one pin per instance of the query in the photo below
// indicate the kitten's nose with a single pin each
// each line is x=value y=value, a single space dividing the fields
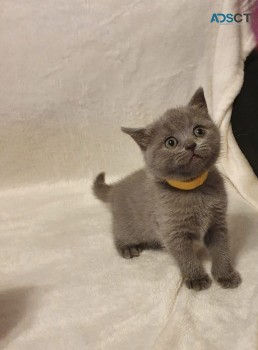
x=190 y=146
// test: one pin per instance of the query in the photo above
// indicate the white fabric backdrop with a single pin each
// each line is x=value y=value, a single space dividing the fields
x=73 y=72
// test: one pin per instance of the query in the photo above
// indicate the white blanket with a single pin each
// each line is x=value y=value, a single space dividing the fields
x=63 y=286
x=73 y=72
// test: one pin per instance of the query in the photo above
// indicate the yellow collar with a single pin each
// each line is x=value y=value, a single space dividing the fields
x=188 y=185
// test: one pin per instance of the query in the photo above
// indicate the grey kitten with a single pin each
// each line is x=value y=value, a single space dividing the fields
x=149 y=212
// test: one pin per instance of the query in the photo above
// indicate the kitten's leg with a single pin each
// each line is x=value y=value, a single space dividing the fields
x=128 y=241
x=181 y=247
x=127 y=244
x=216 y=241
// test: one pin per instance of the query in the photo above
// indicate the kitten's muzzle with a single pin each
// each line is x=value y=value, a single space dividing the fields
x=195 y=156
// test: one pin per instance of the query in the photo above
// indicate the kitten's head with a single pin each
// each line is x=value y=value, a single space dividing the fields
x=182 y=144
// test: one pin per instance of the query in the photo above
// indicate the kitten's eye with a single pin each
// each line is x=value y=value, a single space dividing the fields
x=199 y=132
x=171 y=142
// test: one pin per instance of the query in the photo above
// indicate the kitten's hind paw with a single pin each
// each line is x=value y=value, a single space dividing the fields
x=198 y=284
x=130 y=252
x=231 y=281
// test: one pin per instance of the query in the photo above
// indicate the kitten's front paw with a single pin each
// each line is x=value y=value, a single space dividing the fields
x=198 y=284
x=232 y=280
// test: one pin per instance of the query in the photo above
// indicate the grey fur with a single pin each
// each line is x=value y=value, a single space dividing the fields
x=147 y=212
x=101 y=189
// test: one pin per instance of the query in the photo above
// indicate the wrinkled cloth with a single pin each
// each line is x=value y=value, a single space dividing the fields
x=63 y=285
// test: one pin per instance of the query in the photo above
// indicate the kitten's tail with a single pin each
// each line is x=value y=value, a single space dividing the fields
x=101 y=189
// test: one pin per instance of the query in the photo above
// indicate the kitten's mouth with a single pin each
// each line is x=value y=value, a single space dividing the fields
x=195 y=156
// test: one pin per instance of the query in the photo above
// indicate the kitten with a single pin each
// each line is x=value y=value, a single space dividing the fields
x=151 y=209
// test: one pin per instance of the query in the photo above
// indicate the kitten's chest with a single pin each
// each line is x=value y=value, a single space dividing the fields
x=190 y=213
x=200 y=218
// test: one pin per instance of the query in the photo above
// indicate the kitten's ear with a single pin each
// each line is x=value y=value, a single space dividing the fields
x=198 y=100
x=140 y=136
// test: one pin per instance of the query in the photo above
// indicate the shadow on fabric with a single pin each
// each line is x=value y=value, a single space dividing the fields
x=14 y=306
